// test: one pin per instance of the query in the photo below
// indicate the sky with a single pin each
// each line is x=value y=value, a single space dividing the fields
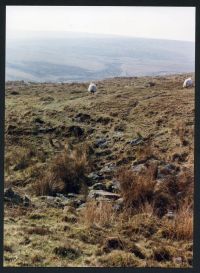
x=173 y=23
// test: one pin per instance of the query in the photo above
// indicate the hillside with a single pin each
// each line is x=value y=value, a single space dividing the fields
x=99 y=180
x=74 y=57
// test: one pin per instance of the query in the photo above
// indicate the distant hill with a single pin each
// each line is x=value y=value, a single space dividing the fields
x=68 y=57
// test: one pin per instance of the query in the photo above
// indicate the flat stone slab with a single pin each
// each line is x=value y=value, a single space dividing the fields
x=103 y=194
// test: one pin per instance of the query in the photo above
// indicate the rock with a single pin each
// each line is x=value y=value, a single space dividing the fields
x=136 y=249
x=26 y=201
x=101 y=143
x=170 y=215
x=9 y=193
x=11 y=128
x=150 y=84
x=168 y=169
x=182 y=157
x=140 y=169
x=81 y=117
x=148 y=159
x=108 y=169
x=99 y=186
x=75 y=131
x=55 y=201
x=14 y=93
x=119 y=204
x=38 y=120
x=13 y=197
x=70 y=219
x=112 y=243
x=61 y=196
x=178 y=260
x=118 y=136
x=112 y=186
x=104 y=120
x=90 y=131
x=136 y=141
x=103 y=153
x=95 y=177
x=93 y=194
x=120 y=128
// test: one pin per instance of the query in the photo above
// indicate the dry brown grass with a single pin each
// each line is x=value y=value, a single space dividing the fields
x=48 y=185
x=136 y=189
x=99 y=213
x=181 y=228
x=118 y=258
x=145 y=151
x=66 y=173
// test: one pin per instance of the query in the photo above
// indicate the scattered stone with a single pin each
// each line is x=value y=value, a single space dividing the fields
x=137 y=251
x=103 y=120
x=119 y=204
x=140 y=168
x=178 y=260
x=125 y=160
x=90 y=131
x=95 y=177
x=93 y=194
x=55 y=201
x=99 y=186
x=70 y=219
x=75 y=131
x=136 y=141
x=67 y=251
x=118 y=136
x=120 y=128
x=15 y=198
x=103 y=153
x=14 y=93
x=38 y=120
x=180 y=157
x=162 y=254
x=107 y=169
x=170 y=215
x=81 y=117
x=101 y=143
x=169 y=169
x=112 y=243
x=26 y=201
x=72 y=195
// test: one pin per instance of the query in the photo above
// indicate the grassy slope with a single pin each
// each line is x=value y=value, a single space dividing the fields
x=33 y=235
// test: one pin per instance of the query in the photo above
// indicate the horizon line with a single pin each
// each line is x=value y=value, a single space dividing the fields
x=92 y=34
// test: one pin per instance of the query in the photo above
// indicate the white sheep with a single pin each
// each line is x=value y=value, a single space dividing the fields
x=92 y=88
x=188 y=83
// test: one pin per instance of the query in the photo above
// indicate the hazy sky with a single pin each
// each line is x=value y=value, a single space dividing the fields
x=176 y=23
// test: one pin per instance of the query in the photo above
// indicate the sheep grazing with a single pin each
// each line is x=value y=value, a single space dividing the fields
x=92 y=88
x=188 y=83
